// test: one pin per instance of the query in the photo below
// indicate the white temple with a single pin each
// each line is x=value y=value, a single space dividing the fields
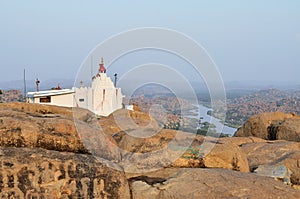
x=102 y=97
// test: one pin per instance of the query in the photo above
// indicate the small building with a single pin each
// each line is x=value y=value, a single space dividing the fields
x=129 y=107
x=62 y=97
x=101 y=97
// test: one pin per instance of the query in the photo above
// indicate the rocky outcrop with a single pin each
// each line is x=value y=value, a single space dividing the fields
x=128 y=121
x=36 y=108
x=288 y=129
x=221 y=154
x=209 y=183
x=239 y=141
x=275 y=153
x=281 y=173
x=55 y=152
x=272 y=126
x=155 y=152
x=53 y=128
x=40 y=173
x=147 y=153
x=228 y=156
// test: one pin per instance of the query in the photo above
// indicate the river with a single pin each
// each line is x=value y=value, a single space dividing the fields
x=202 y=112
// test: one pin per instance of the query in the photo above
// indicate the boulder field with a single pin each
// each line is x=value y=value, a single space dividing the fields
x=55 y=152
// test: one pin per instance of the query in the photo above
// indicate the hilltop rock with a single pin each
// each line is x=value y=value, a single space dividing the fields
x=36 y=108
x=239 y=141
x=214 y=153
x=228 y=156
x=209 y=183
x=53 y=128
x=272 y=126
x=55 y=152
x=152 y=153
x=40 y=173
x=149 y=153
x=275 y=153
x=289 y=129
x=126 y=120
x=279 y=172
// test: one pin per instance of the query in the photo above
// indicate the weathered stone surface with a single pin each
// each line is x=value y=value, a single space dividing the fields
x=158 y=151
x=54 y=128
x=275 y=153
x=228 y=156
x=37 y=108
x=214 y=153
x=127 y=121
x=272 y=126
x=40 y=173
x=34 y=162
x=148 y=153
x=239 y=141
x=279 y=172
x=159 y=140
x=210 y=183
x=289 y=129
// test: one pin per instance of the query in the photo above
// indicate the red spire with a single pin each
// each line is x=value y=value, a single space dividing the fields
x=102 y=69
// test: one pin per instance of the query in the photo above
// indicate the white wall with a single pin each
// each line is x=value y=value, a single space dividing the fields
x=104 y=103
x=81 y=93
x=59 y=100
x=63 y=100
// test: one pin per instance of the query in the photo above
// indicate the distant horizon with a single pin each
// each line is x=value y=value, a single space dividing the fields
x=229 y=85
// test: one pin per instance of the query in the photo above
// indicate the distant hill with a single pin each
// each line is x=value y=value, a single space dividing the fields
x=261 y=85
x=11 y=96
x=270 y=100
x=30 y=84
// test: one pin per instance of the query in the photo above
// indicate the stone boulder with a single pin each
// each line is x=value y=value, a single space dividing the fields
x=228 y=156
x=55 y=152
x=126 y=120
x=288 y=129
x=54 y=128
x=209 y=183
x=155 y=152
x=190 y=150
x=214 y=153
x=281 y=173
x=239 y=141
x=275 y=153
x=40 y=173
x=269 y=126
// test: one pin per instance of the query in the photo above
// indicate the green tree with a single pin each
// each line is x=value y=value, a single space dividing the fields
x=1 y=92
x=205 y=126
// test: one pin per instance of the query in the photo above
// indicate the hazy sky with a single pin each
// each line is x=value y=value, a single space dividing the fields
x=248 y=40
